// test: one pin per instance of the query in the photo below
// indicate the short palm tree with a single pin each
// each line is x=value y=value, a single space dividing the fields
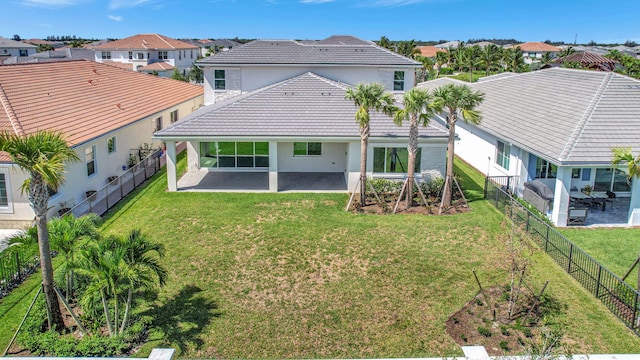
x=418 y=110
x=43 y=156
x=368 y=97
x=513 y=59
x=442 y=58
x=546 y=58
x=569 y=50
x=623 y=155
x=427 y=65
x=455 y=99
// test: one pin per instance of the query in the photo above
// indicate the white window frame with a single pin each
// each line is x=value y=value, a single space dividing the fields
x=503 y=156
x=398 y=82
x=111 y=149
x=7 y=183
x=219 y=80
x=105 y=55
x=90 y=157
x=173 y=116
x=157 y=124
x=307 y=147
x=23 y=52
x=163 y=55
x=130 y=55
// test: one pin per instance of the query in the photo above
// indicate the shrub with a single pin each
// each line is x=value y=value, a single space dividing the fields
x=504 y=345
x=484 y=331
x=504 y=330
x=446 y=71
x=527 y=333
x=433 y=187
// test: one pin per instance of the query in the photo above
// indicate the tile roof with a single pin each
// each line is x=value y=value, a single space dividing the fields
x=157 y=66
x=537 y=47
x=291 y=52
x=589 y=59
x=83 y=99
x=564 y=115
x=430 y=51
x=305 y=106
x=343 y=40
x=121 y=65
x=8 y=43
x=146 y=42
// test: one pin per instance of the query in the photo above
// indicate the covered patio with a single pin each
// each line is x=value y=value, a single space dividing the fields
x=215 y=181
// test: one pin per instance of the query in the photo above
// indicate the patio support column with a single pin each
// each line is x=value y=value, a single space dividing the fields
x=172 y=181
x=273 y=166
x=561 y=198
x=634 y=203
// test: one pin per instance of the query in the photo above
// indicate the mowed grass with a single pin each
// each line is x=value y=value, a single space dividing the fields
x=615 y=248
x=295 y=276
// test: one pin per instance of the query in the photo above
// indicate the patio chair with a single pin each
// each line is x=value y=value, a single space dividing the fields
x=610 y=198
x=577 y=216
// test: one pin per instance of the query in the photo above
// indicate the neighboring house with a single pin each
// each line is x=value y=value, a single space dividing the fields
x=483 y=44
x=146 y=49
x=449 y=44
x=342 y=58
x=589 y=60
x=55 y=55
x=162 y=69
x=430 y=51
x=10 y=48
x=533 y=51
x=557 y=125
x=105 y=113
x=277 y=108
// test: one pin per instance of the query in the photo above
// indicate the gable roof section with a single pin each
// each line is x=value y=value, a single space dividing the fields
x=146 y=42
x=305 y=106
x=83 y=99
x=563 y=115
x=8 y=43
x=290 y=52
x=430 y=51
x=157 y=66
x=589 y=59
x=537 y=47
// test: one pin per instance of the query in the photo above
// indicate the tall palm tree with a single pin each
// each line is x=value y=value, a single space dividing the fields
x=65 y=234
x=473 y=59
x=417 y=110
x=459 y=55
x=442 y=58
x=427 y=65
x=513 y=59
x=546 y=58
x=490 y=55
x=142 y=268
x=456 y=98
x=368 y=97
x=43 y=156
x=569 y=50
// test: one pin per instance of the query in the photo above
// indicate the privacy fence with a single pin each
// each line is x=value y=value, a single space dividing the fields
x=15 y=266
x=618 y=296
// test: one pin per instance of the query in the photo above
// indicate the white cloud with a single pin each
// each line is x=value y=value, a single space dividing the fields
x=115 y=18
x=49 y=3
x=119 y=4
x=316 y=1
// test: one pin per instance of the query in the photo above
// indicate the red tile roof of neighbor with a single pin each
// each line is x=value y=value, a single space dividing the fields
x=82 y=99
x=430 y=51
x=537 y=47
x=157 y=66
x=589 y=60
x=144 y=42
x=121 y=65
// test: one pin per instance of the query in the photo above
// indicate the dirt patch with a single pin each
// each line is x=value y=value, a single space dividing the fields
x=485 y=321
x=386 y=207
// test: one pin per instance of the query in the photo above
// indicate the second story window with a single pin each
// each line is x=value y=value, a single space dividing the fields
x=398 y=80
x=140 y=56
x=106 y=55
x=162 y=55
x=174 y=116
x=158 y=125
x=24 y=53
x=130 y=55
x=90 y=159
x=219 y=80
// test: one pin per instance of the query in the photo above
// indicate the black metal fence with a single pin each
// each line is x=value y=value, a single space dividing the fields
x=618 y=296
x=100 y=201
x=15 y=266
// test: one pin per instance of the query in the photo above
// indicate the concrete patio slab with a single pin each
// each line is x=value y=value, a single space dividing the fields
x=205 y=180
x=306 y=181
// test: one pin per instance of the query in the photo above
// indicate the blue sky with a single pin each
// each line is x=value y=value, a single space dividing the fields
x=317 y=19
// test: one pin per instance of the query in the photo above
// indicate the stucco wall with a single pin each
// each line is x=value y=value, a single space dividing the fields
x=333 y=159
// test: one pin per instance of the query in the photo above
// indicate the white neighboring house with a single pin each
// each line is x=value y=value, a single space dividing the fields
x=278 y=107
x=105 y=113
x=11 y=48
x=557 y=125
x=341 y=58
x=144 y=50
x=533 y=51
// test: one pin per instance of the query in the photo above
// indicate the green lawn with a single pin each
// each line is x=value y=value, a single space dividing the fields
x=615 y=248
x=295 y=276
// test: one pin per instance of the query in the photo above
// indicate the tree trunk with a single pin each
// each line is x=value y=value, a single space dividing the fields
x=107 y=317
x=39 y=198
x=364 y=142
x=412 y=149
x=116 y=311
x=125 y=318
x=448 y=190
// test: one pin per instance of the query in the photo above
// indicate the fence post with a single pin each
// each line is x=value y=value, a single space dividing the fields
x=546 y=238
x=634 y=324
x=598 y=282
x=509 y=184
x=486 y=184
x=570 y=257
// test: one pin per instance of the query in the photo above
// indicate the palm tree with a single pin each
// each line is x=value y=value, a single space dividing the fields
x=624 y=155
x=513 y=59
x=455 y=98
x=473 y=59
x=368 y=97
x=491 y=55
x=43 y=155
x=458 y=55
x=546 y=58
x=614 y=55
x=442 y=58
x=569 y=50
x=427 y=65
x=142 y=268
x=417 y=110
x=65 y=234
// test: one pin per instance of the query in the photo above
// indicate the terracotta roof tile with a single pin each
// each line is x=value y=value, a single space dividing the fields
x=589 y=60
x=537 y=47
x=145 y=42
x=430 y=51
x=121 y=65
x=83 y=99
x=157 y=66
